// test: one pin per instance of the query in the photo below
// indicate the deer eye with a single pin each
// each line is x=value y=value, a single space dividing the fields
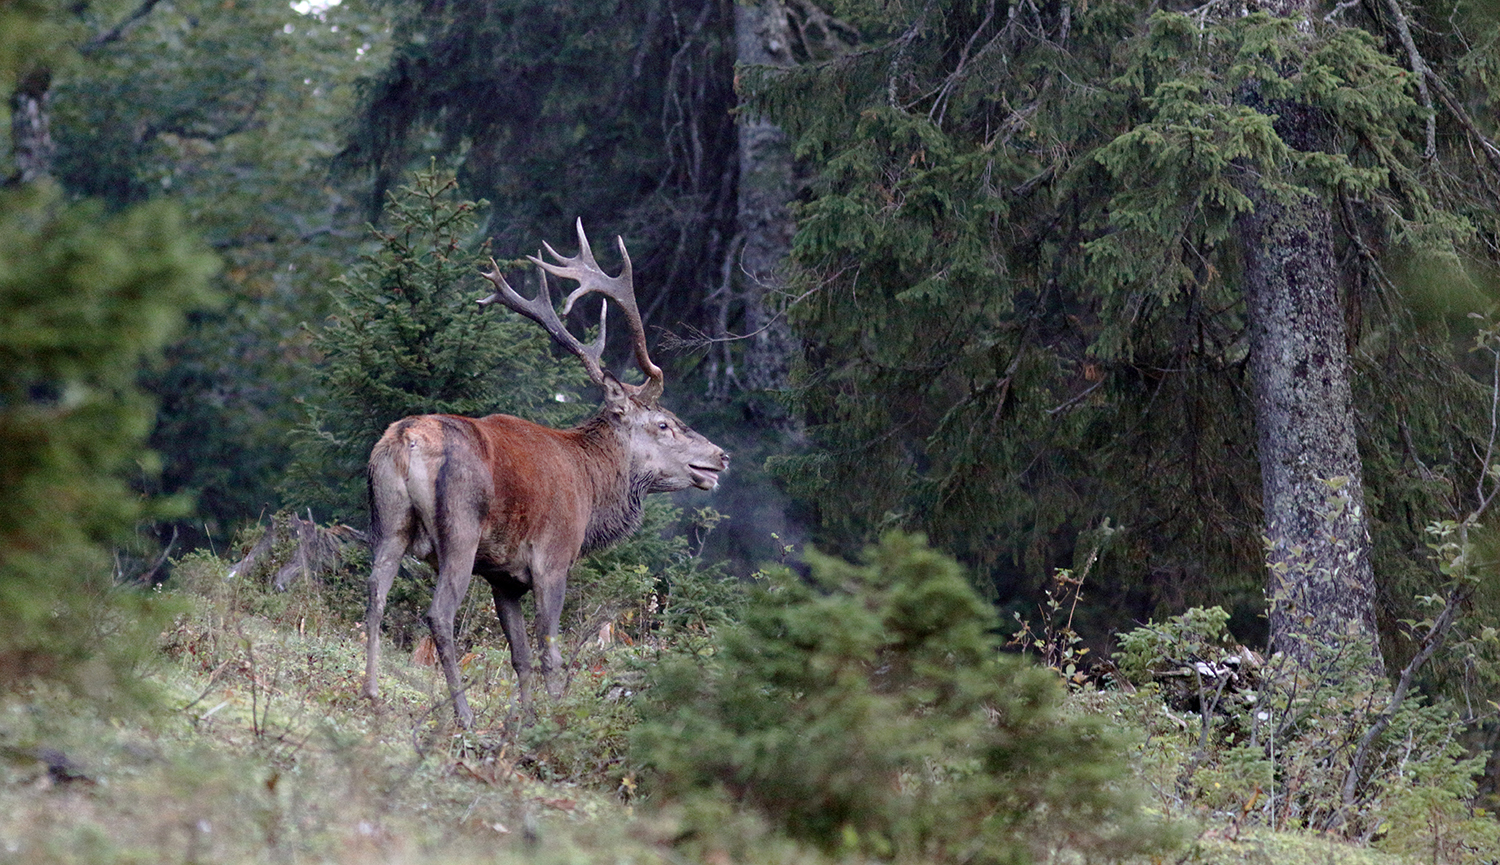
x=662 y=425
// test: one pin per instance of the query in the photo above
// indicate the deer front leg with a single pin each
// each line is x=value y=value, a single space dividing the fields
x=550 y=590
x=513 y=623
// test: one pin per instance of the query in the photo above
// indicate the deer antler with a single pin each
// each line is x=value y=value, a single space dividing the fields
x=539 y=309
x=592 y=279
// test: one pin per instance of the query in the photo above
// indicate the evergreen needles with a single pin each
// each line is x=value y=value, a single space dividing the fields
x=868 y=711
x=85 y=299
x=1025 y=276
x=406 y=337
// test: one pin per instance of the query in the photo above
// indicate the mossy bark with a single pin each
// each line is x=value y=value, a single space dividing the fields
x=1320 y=583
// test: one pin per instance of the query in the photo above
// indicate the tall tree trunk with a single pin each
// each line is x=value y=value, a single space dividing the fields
x=30 y=127
x=1320 y=584
x=767 y=183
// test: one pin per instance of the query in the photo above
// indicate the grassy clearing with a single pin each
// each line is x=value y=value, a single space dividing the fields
x=259 y=749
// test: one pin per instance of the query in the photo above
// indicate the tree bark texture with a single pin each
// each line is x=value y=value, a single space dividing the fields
x=767 y=183
x=1320 y=585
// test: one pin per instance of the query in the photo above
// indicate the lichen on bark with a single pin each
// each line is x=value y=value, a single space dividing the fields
x=1321 y=587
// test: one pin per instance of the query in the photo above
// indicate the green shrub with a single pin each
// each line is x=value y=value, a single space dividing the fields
x=86 y=299
x=869 y=711
x=1269 y=746
x=1199 y=633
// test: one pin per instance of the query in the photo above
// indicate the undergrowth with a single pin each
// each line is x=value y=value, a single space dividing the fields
x=856 y=714
x=1254 y=746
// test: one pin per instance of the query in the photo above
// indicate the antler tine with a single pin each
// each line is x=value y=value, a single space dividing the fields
x=592 y=279
x=539 y=309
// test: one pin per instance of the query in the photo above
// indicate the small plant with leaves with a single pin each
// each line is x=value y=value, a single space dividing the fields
x=1274 y=748
x=1055 y=640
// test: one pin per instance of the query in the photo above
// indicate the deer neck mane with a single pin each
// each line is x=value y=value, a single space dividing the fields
x=617 y=508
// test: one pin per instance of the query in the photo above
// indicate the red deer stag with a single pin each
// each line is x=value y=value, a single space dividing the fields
x=518 y=503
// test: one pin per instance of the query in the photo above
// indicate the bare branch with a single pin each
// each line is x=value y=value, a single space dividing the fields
x=699 y=339
x=1420 y=69
x=940 y=104
x=1340 y=9
x=1430 y=643
x=114 y=33
x=1491 y=151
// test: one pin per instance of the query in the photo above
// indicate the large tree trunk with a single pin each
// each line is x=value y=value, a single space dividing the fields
x=767 y=183
x=1321 y=586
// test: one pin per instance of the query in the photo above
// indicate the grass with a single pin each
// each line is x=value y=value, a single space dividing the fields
x=259 y=749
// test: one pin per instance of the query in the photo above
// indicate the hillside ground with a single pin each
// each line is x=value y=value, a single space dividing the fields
x=258 y=748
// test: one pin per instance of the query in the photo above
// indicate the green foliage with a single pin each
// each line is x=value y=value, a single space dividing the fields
x=406 y=337
x=619 y=113
x=1053 y=638
x=1271 y=746
x=85 y=300
x=1197 y=633
x=655 y=584
x=233 y=117
x=1024 y=308
x=867 y=712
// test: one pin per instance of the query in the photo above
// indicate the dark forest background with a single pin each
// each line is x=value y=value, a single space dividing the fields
x=974 y=269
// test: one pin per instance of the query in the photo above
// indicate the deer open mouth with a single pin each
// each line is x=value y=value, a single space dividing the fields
x=704 y=477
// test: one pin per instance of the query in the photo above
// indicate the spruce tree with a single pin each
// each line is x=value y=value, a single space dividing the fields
x=1026 y=261
x=867 y=711
x=406 y=337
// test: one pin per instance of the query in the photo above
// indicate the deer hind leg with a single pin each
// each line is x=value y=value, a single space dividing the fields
x=389 y=548
x=394 y=523
x=455 y=570
x=508 y=608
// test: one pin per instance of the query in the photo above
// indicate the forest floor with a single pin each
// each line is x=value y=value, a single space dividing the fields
x=258 y=748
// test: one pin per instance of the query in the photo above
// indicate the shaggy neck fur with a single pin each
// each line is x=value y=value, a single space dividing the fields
x=617 y=491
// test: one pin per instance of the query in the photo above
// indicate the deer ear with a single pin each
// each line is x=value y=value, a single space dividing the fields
x=615 y=397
